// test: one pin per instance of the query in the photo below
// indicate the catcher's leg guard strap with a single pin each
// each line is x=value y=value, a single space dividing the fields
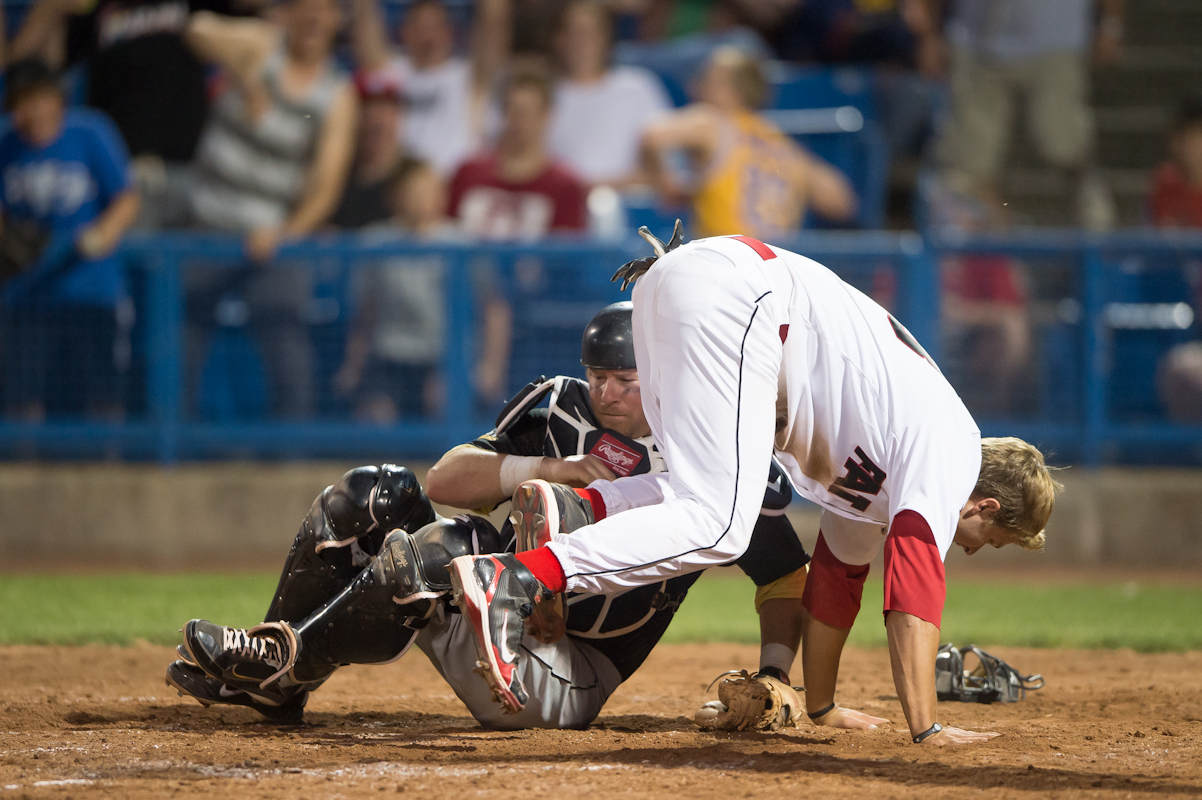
x=833 y=589
x=914 y=577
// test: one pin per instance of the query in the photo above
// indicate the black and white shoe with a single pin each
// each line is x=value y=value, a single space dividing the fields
x=497 y=595
x=191 y=680
x=541 y=509
x=244 y=657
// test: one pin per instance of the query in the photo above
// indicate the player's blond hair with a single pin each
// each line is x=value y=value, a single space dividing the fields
x=1014 y=473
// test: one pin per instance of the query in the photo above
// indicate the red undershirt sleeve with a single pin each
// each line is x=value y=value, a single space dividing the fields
x=914 y=577
x=833 y=589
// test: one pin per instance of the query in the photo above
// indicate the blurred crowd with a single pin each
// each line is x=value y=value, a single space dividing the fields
x=496 y=120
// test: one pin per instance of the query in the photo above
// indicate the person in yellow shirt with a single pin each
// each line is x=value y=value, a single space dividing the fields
x=750 y=178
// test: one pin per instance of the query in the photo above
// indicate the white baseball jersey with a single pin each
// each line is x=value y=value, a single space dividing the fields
x=742 y=349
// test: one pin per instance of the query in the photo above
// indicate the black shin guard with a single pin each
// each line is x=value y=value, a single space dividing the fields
x=345 y=527
x=377 y=617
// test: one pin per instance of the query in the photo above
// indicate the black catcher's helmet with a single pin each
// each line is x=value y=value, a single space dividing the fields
x=609 y=340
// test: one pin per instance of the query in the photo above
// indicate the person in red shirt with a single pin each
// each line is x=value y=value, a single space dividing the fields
x=1176 y=197
x=518 y=191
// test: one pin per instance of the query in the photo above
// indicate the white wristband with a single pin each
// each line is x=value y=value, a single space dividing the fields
x=517 y=469
x=777 y=655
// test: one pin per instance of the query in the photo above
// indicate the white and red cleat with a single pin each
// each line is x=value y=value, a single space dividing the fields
x=497 y=595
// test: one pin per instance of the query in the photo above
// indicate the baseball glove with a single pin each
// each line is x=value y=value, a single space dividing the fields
x=751 y=702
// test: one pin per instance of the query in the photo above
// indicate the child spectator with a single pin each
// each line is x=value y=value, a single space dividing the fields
x=378 y=153
x=64 y=183
x=1176 y=197
x=390 y=370
x=518 y=191
x=752 y=179
x=600 y=111
x=987 y=330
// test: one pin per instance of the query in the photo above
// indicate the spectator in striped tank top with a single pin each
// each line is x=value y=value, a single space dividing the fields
x=271 y=165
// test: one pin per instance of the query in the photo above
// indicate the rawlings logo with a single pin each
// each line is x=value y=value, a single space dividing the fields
x=621 y=459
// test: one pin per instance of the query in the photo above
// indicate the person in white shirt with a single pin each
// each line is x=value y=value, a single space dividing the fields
x=447 y=94
x=600 y=110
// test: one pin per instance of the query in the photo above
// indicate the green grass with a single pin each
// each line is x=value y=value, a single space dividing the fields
x=1144 y=617
x=122 y=608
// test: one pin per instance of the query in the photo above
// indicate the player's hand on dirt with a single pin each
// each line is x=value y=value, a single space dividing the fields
x=850 y=719
x=952 y=736
x=576 y=471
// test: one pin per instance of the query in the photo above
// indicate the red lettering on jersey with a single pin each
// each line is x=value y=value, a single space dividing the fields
x=784 y=333
x=617 y=456
x=759 y=247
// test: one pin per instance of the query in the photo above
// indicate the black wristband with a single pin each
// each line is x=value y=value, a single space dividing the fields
x=822 y=712
x=928 y=733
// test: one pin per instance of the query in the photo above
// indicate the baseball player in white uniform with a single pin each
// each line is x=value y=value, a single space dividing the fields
x=744 y=350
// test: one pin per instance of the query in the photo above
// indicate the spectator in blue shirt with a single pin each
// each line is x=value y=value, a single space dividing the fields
x=65 y=192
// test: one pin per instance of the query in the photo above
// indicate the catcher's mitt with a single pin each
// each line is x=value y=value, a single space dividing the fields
x=992 y=681
x=751 y=702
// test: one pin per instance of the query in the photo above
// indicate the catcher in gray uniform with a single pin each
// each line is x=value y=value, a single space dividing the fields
x=367 y=574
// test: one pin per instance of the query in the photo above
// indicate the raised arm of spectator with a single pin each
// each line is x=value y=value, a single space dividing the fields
x=326 y=179
x=492 y=32
x=695 y=129
x=369 y=37
x=240 y=45
x=43 y=34
x=823 y=188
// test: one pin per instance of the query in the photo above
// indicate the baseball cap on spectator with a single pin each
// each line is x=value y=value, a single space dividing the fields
x=27 y=76
x=379 y=85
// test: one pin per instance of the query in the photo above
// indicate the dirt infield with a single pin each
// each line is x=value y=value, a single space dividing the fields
x=98 y=721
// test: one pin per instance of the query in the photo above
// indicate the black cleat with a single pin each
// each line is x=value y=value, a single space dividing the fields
x=192 y=681
x=251 y=659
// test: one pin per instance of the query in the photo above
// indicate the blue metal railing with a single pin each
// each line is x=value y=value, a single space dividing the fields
x=1085 y=428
